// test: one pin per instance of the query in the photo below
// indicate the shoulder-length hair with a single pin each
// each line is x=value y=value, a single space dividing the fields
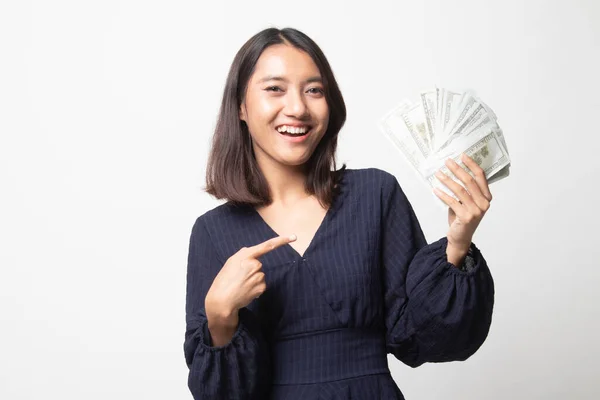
x=232 y=172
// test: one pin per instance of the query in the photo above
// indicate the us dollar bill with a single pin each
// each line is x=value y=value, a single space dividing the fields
x=487 y=151
x=443 y=124
x=416 y=122
x=449 y=104
x=394 y=128
x=429 y=101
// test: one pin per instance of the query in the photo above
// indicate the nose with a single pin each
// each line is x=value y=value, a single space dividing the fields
x=295 y=105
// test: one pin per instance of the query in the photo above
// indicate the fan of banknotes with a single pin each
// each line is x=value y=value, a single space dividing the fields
x=443 y=124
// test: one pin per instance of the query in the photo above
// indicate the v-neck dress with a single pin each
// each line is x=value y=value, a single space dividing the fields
x=368 y=284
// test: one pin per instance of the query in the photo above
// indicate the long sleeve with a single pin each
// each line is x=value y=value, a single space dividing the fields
x=240 y=368
x=434 y=311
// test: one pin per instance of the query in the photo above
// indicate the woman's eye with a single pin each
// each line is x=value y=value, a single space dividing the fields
x=278 y=89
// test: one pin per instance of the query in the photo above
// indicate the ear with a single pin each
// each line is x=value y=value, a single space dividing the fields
x=242 y=113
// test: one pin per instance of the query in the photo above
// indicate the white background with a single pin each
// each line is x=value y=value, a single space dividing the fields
x=106 y=112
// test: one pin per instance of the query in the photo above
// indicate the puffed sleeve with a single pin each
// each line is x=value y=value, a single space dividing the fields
x=434 y=311
x=236 y=370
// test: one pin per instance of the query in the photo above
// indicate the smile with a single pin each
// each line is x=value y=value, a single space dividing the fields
x=294 y=134
x=293 y=130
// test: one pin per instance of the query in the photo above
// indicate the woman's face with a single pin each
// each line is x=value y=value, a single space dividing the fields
x=285 y=107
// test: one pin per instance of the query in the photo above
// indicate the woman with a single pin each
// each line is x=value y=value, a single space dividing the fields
x=301 y=283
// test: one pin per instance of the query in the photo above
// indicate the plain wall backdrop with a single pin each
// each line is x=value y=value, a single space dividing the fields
x=107 y=109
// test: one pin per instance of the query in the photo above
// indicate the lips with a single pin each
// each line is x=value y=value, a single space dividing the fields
x=295 y=134
x=293 y=129
x=295 y=138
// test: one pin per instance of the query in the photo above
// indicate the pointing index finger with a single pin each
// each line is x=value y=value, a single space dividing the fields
x=270 y=245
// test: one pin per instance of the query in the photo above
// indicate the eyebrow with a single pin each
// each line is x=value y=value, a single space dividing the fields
x=280 y=78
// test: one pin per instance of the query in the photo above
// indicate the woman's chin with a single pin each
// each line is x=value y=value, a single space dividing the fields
x=290 y=155
x=284 y=156
x=293 y=160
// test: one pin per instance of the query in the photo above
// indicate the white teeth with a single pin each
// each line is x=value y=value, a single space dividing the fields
x=293 y=130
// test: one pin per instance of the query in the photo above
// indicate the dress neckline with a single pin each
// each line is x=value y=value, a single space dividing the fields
x=287 y=246
x=318 y=233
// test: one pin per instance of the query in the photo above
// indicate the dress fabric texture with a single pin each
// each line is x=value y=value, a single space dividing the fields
x=368 y=285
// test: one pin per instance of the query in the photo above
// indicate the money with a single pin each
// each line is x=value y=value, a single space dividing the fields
x=487 y=151
x=444 y=124
x=393 y=126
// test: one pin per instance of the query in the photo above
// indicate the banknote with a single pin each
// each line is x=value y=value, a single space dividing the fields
x=394 y=127
x=429 y=101
x=486 y=150
x=443 y=124
x=449 y=103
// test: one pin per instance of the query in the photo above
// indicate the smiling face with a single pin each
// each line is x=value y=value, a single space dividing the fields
x=285 y=107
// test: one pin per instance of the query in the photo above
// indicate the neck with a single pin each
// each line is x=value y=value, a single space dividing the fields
x=285 y=181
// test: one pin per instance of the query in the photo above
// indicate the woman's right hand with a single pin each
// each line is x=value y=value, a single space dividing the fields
x=241 y=279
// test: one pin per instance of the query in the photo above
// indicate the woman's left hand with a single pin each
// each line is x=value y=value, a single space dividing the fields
x=465 y=215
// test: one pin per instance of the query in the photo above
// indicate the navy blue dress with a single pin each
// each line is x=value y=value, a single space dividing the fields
x=367 y=285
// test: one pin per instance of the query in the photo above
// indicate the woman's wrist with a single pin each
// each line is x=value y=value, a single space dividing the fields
x=221 y=314
x=456 y=255
x=222 y=324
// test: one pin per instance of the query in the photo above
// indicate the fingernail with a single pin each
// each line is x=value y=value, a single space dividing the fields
x=292 y=237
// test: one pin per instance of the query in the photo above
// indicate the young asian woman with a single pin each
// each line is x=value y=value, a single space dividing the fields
x=307 y=276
